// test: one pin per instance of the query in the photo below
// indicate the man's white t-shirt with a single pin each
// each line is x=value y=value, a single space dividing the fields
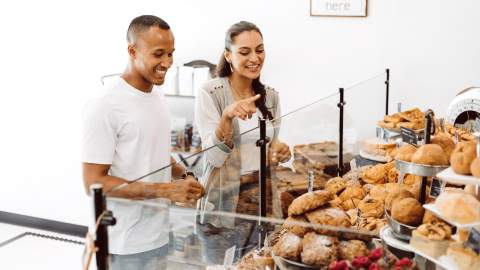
x=130 y=130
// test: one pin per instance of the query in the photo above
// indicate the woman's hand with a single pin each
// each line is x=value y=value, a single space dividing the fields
x=242 y=109
x=279 y=153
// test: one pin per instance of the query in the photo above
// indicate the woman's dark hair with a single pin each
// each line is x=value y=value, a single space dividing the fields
x=224 y=70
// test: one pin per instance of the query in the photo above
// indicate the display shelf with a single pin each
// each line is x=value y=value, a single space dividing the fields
x=418 y=169
x=448 y=175
x=386 y=234
x=377 y=158
x=431 y=207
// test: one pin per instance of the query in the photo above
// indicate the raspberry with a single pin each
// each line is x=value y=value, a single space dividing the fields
x=403 y=262
x=362 y=261
x=376 y=254
x=339 y=265
x=373 y=266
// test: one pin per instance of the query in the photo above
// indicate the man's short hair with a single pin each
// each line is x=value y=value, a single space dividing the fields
x=142 y=24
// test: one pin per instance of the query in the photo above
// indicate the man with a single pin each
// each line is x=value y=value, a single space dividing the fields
x=127 y=135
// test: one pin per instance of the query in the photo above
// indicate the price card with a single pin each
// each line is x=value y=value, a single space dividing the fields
x=409 y=136
x=436 y=188
x=474 y=240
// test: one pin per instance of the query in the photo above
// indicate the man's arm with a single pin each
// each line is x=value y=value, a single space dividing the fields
x=188 y=190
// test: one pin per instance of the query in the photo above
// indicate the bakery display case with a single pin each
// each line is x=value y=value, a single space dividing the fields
x=345 y=197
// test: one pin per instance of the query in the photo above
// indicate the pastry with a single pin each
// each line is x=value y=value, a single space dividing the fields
x=377 y=147
x=328 y=216
x=463 y=156
x=430 y=218
x=412 y=115
x=319 y=250
x=466 y=258
x=353 y=193
x=375 y=175
x=430 y=154
x=458 y=206
x=445 y=142
x=288 y=247
x=309 y=201
x=390 y=187
x=411 y=179
x=353 y=214
x=433 y=239
x=392 y=175
x=406 y=152
x=408 y=211
x=397 y=194
x=368 y=187
x=335 y=185
x=297 y=229
x=475 y=167
x=349 y=250
x=378 y=192
x=350 y=204
x=336 y=202
x=372 y=224
x=370 y=207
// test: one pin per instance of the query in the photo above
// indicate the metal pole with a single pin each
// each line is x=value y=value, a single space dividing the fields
x=428 y=129
x=387 y=83
x=101 y=235
x=262 y=143
x=341 y=104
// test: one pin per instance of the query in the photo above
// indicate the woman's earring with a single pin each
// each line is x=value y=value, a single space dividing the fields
x=231 y=67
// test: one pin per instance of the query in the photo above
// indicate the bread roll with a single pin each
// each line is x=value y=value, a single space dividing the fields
x=444 y=141
x=475 y=167
x=430 y=154
x=396 y=194
x=406 y=152
x=463 y=156
x=408 y=211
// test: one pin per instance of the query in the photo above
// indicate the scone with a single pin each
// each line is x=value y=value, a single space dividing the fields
x=397 y=194
x=406 y=152
x=309 y=201
x=445 y=142
x=408 y=211
x=336 y=185
x=297 y=229
x=288 y=247
x=370 y=207
x=349 y=250
x=328 y=216
x=430 y=154
x=319 y=250
x=463 y=156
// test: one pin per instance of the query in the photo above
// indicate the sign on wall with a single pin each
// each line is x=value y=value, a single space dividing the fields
x=344 y=8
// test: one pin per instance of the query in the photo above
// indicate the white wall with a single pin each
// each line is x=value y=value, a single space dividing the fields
x=54 y=52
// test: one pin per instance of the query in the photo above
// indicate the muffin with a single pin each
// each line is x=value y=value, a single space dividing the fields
x=397 y=194
x=349 y=250
x=406 y=152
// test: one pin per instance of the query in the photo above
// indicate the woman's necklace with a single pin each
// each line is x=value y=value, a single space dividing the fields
x=237 y=95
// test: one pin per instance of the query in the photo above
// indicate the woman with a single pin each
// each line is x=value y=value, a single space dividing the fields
x=226 y=107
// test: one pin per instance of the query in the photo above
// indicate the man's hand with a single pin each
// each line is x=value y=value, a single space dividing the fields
x=279 y=153
x=185 y=191
x=242 y=109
